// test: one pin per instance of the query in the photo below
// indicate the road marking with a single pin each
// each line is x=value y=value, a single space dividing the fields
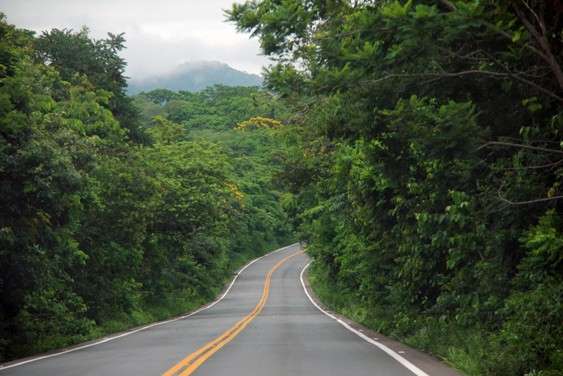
x=404 y=362
x=192 y=362
x=112 y=338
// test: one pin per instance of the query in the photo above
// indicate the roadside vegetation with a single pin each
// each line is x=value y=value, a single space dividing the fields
x=118 y=211
x=428 y=181
x=415 y=146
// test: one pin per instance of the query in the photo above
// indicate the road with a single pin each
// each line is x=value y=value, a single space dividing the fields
x=264 y=325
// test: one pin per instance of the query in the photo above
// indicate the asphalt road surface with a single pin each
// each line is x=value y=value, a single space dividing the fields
x=264 y=325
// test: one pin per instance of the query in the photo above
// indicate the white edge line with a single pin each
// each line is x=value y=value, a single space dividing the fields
x=411 y=367
x=112 y=338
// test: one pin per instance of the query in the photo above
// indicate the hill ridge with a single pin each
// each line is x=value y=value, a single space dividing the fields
x=195 y=76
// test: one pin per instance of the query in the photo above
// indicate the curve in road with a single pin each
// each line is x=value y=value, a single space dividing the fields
x=284 y=334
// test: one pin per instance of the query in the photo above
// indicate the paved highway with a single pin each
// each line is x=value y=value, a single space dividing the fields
x=264 y=325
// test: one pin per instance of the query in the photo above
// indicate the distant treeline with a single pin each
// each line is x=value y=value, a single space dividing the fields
x=110 y=217
x=429 y=180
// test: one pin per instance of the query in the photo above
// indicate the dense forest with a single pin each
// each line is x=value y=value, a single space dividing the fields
x=117 y=211
x=428 y=184
x=415 y=146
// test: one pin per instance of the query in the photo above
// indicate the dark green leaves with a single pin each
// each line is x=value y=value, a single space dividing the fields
x=428 y=183
x=97 y=233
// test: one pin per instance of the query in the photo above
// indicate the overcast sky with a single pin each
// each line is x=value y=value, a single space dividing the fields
x=161 y=34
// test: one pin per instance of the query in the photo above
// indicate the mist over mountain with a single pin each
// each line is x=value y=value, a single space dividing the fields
x=195 y=76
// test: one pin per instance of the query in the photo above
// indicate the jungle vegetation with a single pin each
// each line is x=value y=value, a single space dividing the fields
x=415 y=146
x=428 y=181
x=117 y=211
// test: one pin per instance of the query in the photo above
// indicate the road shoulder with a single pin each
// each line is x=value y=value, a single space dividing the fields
x=425 y=362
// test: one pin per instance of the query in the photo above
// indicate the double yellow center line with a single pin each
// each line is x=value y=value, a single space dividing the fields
x=191 y=363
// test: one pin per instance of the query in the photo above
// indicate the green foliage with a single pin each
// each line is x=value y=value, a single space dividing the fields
x=217 y=107
x=74 y=54
x=427 y=177
x=163 y=131
x=97 y=233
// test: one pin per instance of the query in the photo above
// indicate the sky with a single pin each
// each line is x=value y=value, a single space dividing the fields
x=161 y=34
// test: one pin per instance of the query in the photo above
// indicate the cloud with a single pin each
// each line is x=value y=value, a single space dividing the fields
x=160 y=34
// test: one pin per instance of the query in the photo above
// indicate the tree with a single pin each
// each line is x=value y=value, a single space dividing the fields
x=431 y=145
x=75 y=53
x=99 y=233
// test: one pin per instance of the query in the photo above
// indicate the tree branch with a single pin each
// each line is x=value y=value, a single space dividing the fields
x=540 y=88
x=448 y=5
x=465 y=73
x=541 y=39
x=535 y=201
x=535 y=167
x=511 y=144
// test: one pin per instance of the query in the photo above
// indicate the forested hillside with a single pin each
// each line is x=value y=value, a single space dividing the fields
x=428 y=184
x=117 y=211
x=195 y=76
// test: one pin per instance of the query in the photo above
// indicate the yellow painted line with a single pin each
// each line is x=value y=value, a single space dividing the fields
x=191 y=363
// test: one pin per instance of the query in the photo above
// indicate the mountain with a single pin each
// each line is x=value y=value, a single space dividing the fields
x=196 y=76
